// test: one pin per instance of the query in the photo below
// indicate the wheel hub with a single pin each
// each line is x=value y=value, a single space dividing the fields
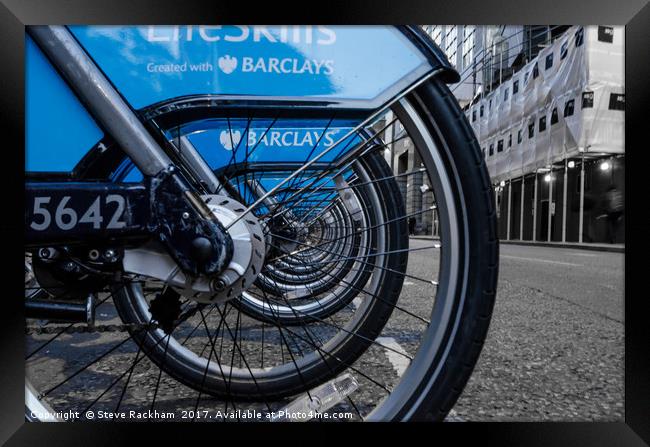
x=246 y=263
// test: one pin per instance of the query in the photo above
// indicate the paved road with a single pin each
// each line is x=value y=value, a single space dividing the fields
x=554 y=350
x=556 y=341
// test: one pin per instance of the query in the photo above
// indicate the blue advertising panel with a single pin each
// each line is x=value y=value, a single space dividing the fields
x=58 y=129
x=358 y=66
x=362 y=66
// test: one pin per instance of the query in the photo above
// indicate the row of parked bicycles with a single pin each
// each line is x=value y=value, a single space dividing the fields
x=224 y=234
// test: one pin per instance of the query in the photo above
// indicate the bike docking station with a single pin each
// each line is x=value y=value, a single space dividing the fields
x=214 y=203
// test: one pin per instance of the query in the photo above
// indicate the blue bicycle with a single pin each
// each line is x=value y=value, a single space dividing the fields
x=217 y=218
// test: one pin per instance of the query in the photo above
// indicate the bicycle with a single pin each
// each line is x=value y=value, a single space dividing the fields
x=222 y=197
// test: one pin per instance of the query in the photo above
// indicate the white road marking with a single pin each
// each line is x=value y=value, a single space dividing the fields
x=542 y=260
x=453 y=417
x=409 y=283
x=399 y=362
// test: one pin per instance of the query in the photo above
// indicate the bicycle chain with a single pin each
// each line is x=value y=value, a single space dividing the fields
x=104 y=328
x=41 y=330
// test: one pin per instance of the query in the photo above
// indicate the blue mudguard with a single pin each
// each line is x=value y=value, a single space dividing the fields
x=223 y=142
x=58 y=129
x=357 y=67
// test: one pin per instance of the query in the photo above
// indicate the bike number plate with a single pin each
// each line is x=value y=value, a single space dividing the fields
x=63 y=210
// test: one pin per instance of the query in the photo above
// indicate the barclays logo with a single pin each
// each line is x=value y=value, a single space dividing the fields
x=288 y=138
x=230 y=139
x=227 y=63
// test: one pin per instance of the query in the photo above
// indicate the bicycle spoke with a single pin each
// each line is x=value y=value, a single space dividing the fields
x=323 y=303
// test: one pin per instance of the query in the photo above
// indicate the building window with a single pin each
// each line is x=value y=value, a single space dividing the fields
x=587 y=100
x=542 y=124
x=451 y=44
x=515 y=87
x=473 y=115
x=501 y=51
x=554 y=118
x=510 y=140
x=468 y=45
x=606 y=34
x=531 y=130
x=549 y=61
x=616 y=101
x=564 y=50
x=519 y=136
x=491 y=149
x=580 y=36
x=436 y=33
x=568 y=108
x=536 y=37
x=500 y=146
x=483 y=152
x=505 y=94
x=481 y=111
x=588 y=180
x=535 y=71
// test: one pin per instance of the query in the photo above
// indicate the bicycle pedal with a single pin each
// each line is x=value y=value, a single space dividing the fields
x=62 y=311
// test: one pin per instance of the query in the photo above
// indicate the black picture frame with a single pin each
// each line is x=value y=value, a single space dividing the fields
x=15 y=14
